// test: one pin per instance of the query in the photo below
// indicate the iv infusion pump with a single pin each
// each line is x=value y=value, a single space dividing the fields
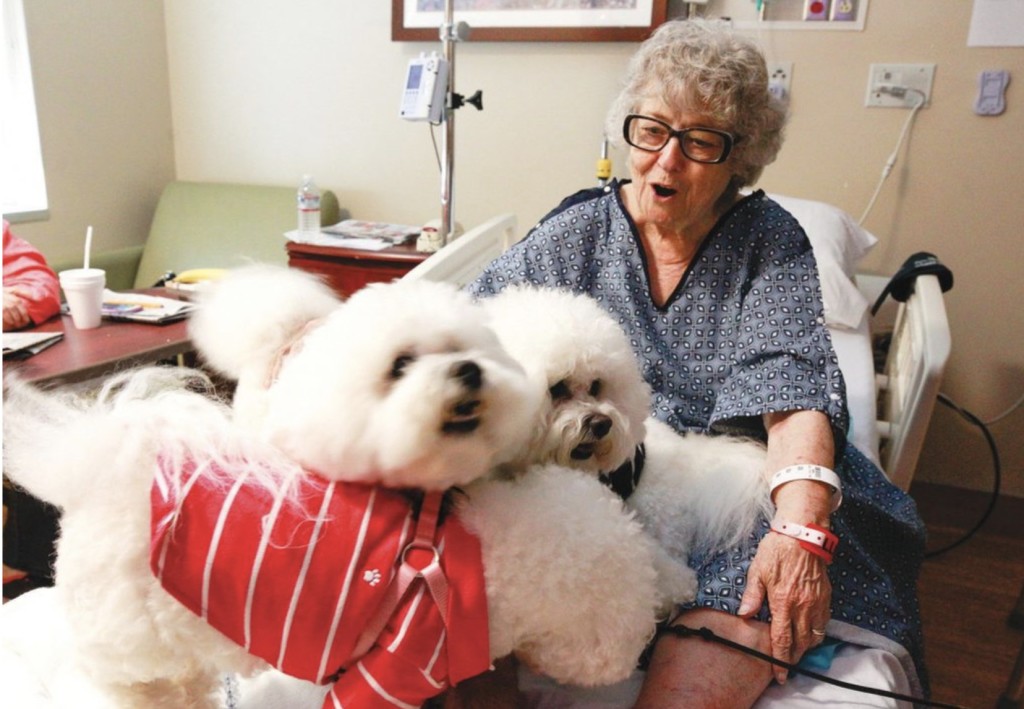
x=426 y=85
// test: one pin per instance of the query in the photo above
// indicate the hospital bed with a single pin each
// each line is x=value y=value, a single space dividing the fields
x=889 y=416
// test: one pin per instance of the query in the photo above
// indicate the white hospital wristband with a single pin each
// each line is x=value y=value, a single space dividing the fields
x=810 y=472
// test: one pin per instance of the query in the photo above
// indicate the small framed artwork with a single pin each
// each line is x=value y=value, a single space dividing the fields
x=531 y=20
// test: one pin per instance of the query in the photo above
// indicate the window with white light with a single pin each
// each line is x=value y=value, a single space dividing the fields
x=22 y=182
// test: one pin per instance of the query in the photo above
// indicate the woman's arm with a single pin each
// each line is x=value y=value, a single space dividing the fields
x=30 y=286
x=793 y=580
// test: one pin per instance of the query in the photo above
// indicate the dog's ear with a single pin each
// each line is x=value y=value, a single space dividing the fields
x=244 y=320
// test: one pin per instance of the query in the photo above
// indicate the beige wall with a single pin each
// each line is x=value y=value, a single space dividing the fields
x=100 y=74
x=263 y=91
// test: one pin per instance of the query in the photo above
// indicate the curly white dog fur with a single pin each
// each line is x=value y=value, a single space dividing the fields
x=579 y=363
x=399 y=385
x=695 y=491
x=580 y=611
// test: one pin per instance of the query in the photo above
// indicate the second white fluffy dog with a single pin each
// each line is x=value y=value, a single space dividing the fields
x=694 y=491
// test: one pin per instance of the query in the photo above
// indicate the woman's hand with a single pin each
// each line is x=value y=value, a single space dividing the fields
x=799 y=596
x=15 y=310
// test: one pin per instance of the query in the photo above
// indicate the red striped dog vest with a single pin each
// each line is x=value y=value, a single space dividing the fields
x=295 y=581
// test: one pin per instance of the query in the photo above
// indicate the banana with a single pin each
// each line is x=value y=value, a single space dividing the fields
x=197 y=275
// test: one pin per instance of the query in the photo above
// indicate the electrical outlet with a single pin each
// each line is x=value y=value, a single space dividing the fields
x=843 y=11
x=780 y=77
x=899 y=85
x=815 y=10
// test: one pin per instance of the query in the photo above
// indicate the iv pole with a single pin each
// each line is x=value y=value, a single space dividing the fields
x=448 y=140
x=450 y=34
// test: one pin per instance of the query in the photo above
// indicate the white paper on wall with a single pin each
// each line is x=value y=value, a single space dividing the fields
x=997 y=23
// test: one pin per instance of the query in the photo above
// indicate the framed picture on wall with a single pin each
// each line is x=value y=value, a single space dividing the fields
x=531 y=20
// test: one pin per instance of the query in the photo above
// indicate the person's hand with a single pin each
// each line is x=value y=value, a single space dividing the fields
x=799 y=594
x=15 y=310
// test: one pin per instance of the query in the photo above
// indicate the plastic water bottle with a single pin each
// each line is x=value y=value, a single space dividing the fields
x=309 y=208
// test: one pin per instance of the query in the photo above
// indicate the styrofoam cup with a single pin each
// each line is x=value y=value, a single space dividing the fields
x=83 y=290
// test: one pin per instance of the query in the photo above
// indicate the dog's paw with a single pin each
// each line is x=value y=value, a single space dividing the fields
x=677 y=583
x=684 y=584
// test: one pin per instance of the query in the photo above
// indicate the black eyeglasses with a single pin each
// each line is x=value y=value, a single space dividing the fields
x=707 y=145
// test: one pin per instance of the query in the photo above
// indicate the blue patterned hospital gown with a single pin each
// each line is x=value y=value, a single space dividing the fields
x=742 y=335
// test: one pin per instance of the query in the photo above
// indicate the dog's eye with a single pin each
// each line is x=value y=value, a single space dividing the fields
x=595 y=387
x=399 y=365
x=560 y=391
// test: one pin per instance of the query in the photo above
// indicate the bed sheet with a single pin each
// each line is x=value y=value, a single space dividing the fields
x=856 y=360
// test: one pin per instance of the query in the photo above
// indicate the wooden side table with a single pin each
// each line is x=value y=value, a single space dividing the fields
x=347 y=270
x=111 y=347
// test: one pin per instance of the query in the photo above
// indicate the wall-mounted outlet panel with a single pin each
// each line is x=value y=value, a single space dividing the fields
x=780 y=78
x=897 y=85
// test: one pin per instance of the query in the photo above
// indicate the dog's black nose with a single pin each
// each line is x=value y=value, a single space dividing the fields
x=469 y=373
x=599 y=425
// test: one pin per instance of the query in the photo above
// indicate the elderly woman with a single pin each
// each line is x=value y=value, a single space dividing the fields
x=719 y=294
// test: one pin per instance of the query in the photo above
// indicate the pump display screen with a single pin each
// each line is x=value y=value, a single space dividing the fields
x=415 y=71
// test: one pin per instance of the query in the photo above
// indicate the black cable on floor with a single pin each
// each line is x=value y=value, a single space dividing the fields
x=997 y=470
x=704 y=633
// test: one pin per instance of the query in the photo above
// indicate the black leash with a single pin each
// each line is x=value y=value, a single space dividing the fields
x=707 y=634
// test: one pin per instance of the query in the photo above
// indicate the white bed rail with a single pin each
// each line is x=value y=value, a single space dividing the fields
x=909 y=384
x=463 y=259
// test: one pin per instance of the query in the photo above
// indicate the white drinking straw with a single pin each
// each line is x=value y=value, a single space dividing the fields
x=88 y=244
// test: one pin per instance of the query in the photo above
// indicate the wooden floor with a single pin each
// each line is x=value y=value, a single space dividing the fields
x=968 y=593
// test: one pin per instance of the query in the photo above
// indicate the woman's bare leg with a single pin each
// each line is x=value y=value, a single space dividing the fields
x=692 y=672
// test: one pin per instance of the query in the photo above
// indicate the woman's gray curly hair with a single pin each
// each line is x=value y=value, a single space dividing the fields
x=703 y=66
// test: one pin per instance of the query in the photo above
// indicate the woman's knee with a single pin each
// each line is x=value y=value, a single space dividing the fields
x=752 y=633
x=693 y=671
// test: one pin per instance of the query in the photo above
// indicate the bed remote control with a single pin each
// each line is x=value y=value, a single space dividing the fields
x=991 y=99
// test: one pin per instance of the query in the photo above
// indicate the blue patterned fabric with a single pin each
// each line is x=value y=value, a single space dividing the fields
x=742 y=335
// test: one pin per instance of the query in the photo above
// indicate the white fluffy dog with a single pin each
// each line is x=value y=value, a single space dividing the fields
x=694 y=491
x=403 y=384
x=396 y=401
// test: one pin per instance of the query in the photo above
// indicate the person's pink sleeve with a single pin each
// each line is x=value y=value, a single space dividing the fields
x=26 y=268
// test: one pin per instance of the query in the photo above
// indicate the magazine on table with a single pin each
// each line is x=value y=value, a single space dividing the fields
x=19 y=345
x=139 y=307
x=358 y=228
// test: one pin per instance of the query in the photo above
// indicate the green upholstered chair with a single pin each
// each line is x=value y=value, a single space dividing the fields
x=213 y=225
x=207 y=225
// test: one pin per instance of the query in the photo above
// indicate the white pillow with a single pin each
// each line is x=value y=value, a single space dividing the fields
x=839 y=244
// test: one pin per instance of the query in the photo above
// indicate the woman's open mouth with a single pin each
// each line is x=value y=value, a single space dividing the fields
x=663 y=191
